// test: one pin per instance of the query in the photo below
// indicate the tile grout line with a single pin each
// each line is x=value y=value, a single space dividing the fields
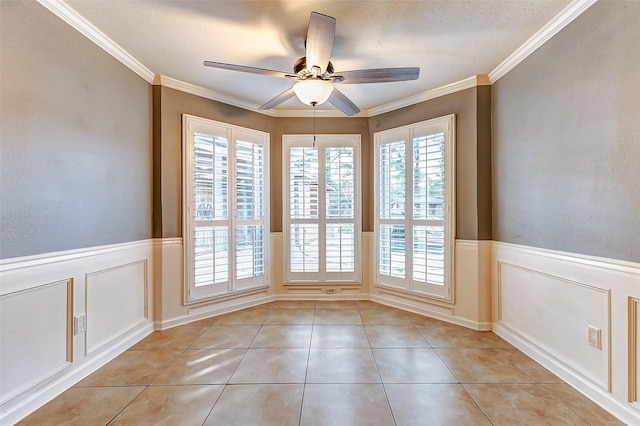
x=451 y=343
x=460 y=383
x=127 y=405
x=246 y=350
x=235 y=369
x=475 y=402
x=384 y=389
x=158 y=375
x=306 y=373
x=562 y=402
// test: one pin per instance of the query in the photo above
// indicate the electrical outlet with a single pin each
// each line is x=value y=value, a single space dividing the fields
x=331 y=291
x=595 y=337
x=79 y=324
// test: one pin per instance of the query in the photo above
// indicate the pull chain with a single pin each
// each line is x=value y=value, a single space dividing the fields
x=314 y=123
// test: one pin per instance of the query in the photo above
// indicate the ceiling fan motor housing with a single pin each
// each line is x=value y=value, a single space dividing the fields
x=300 y=68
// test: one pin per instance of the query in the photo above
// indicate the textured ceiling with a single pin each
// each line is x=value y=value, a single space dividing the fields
x=449 y=40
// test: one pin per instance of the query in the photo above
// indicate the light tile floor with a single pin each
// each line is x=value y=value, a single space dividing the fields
x=321 y=363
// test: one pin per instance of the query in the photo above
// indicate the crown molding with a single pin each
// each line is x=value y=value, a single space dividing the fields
x=172 y=83
x=163 y=80
x=551 y=28
x=467 y=83
x=71 y=17
x=325 y=113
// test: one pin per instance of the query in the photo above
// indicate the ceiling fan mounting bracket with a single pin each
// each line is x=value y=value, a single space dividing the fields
x=300 y=68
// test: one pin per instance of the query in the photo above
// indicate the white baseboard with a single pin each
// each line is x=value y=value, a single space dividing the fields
x=622 y=411
x=544 y=301
x=213 y=308
x=432 y=311
x=471 y=289
x=42 y=355
x=40 y=397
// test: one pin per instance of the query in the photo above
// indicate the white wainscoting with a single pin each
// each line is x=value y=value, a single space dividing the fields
x=541 y=301
x=121 y=290
x=34 y=319
x=544 y=302
x=634 y=351
x=472 y=290
x=39 y=297
x=170 y=310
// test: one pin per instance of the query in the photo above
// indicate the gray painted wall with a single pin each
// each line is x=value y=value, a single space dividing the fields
x=75 y=139
x=566 y=146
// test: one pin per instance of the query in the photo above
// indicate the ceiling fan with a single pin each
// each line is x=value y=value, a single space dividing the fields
x=315 y=75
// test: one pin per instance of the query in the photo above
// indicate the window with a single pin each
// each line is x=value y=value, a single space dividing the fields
x=225 y=189
x=415 y=221
x=322 y=216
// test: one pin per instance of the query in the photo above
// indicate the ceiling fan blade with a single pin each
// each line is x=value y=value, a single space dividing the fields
x=344 y=104
x=319 y=43
x=282 y=97
x=252 y=70
x=378 y=75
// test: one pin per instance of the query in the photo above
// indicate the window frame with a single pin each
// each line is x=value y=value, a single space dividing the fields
x=407 y=134
x=233 y=134
x=321 y=277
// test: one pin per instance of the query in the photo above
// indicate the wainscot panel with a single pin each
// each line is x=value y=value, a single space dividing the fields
x=634 y=351
x=66 y=314
x=546 y=303
x=31 y=320
x=121 y=290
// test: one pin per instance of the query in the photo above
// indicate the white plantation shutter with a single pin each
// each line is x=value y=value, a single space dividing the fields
x=225 y=200
x=415 y=222
x=303 y=209
x=210 y=211
x=392 y=198
x=340 y=202
x=250 y=212
x=322 y=208
x=428 y=208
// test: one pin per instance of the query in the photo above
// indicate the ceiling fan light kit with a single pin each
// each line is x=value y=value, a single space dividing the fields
x=313 y=91
x=315 y=74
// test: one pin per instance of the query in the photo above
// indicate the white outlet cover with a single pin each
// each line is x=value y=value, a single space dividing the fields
x=595 y=338
x=79 y=324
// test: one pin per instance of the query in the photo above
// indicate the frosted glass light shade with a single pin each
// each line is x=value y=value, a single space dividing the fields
x=310 y=91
